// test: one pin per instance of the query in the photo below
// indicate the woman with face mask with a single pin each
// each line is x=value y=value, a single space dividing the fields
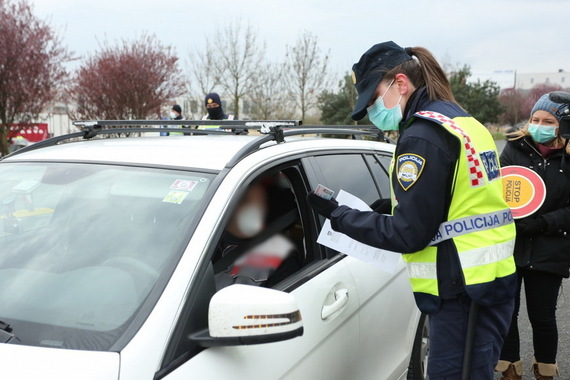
x=542 y=251
x=446 y=216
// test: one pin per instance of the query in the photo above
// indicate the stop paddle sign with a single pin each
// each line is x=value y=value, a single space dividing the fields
x=523 y=190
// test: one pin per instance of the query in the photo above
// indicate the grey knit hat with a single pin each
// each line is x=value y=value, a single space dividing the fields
x=545 y=104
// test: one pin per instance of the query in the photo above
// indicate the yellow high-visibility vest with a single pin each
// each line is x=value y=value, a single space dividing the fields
x=479 y=221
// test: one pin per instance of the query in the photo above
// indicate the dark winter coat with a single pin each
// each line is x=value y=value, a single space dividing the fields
x=548 y=251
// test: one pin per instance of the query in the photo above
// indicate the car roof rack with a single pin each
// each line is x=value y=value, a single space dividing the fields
x=270 y=130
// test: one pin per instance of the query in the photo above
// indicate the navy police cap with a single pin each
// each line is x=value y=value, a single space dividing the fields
x=368 y=72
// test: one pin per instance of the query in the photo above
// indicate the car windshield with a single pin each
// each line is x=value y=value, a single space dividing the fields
x=82 y=246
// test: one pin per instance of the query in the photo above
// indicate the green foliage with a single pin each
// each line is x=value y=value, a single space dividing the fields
x=336 y=107
x=498 y=135
x=480 y=99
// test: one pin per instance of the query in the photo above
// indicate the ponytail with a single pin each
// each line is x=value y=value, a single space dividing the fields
x=424 y=71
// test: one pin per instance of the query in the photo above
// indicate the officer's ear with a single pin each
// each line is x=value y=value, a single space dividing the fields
x=405 y=87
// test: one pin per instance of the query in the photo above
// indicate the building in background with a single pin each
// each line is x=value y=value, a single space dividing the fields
x=528 y=81
x=56 y=116
x=523 y=81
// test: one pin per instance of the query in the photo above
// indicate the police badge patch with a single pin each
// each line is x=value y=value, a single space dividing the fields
x=409 y=167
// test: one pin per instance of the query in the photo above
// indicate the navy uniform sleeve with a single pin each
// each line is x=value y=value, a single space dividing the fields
x=422 y=203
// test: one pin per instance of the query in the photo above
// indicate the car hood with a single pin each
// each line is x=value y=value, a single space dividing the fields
x=26 y=362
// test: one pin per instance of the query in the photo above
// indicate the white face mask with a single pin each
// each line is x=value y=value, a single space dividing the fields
x=250 y=220
x=173 y=115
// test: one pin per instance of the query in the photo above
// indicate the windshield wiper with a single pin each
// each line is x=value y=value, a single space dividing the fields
x=6 y=333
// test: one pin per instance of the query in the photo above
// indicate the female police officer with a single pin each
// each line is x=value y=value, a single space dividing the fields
x=448 y=215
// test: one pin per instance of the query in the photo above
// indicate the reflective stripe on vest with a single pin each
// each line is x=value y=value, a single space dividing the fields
x=469 y=259
x=479 y=221
x=469 y=224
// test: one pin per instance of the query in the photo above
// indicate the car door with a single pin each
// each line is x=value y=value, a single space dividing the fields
x=387 y=314
x=326 y=295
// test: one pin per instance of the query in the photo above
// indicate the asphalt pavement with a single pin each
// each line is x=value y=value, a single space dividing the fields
x=563 y=319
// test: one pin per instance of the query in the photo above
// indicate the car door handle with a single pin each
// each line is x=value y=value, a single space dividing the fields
x=341 y=298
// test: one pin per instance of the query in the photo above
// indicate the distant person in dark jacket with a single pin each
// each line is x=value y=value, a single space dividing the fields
x=175 y=114
x=542 y=250
x=213 y=105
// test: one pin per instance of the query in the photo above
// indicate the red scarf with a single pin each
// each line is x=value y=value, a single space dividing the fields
x=547 y=151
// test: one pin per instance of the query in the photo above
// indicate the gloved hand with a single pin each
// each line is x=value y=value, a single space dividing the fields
x=530 y=226
x=321 y=205
x=382 y=206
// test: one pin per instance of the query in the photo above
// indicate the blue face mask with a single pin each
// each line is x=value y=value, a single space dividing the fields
x=542 y=133
x=386 y=119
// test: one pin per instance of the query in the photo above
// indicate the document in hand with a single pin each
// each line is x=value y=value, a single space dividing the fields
x=385 y=260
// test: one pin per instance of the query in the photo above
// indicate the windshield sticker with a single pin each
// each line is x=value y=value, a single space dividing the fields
x=175 y=196
x=183 y=184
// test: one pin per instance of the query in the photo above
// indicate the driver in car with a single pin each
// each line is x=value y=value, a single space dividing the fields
x=263 y=261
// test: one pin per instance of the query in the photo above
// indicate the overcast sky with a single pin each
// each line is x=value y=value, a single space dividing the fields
x=489 y=35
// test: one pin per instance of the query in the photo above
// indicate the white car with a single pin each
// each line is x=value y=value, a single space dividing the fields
x=106 y=264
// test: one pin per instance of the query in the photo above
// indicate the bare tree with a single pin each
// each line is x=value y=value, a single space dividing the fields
x=306 y=71
x=128 y=81
x=235 y=55
x=31 y=66
x=268 y=96
x=203 y=72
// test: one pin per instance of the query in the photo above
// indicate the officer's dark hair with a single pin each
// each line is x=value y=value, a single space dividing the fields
x=424 y=71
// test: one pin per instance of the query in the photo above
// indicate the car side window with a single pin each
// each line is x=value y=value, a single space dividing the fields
x=385 y=160
x=262 y=243
x=350 y=173
x=380 y=175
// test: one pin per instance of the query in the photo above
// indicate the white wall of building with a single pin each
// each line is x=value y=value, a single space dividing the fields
x=528 y=81
x=57 y=120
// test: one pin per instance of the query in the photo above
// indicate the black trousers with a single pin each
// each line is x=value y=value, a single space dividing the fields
x=448 y=330
x=541 y=290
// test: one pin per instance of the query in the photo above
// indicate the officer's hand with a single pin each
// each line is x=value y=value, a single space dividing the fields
x=382 y=206
x=530 y=226
x=321 y=205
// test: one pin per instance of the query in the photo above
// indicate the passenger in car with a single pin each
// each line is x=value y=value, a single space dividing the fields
x=257 y=259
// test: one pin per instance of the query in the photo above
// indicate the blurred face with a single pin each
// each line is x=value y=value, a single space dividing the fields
x=212 y=105
x=249 y=218
x=544 y=118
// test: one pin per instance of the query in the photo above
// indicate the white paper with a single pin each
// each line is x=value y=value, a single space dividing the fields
x=385 y=260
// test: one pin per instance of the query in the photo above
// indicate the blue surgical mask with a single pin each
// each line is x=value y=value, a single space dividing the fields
x=386 y=119
x=542 y=133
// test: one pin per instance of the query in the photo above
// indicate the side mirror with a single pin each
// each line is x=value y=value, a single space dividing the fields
x=245 y=314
